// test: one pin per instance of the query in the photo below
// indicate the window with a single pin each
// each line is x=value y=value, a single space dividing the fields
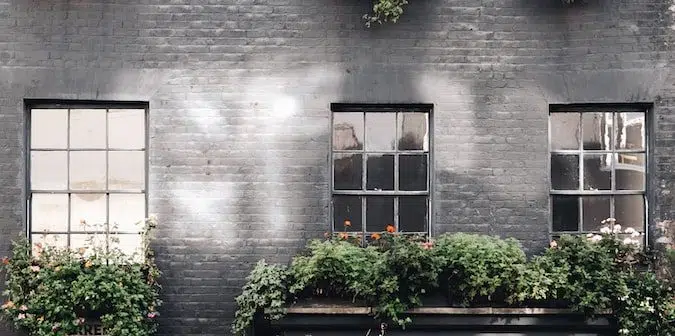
x=381 y=167
x=87 y=174
x=598 y=164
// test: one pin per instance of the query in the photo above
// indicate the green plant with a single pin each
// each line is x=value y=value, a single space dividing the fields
x=57 y=291
x=385 y=11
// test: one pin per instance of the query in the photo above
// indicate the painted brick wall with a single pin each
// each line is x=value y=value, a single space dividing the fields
x=239 y=94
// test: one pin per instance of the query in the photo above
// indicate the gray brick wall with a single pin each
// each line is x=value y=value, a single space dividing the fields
x=235 y=178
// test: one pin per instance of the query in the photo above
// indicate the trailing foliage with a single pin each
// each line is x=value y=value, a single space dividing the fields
x=599 y=273
x=56 y=292
x=385 y=11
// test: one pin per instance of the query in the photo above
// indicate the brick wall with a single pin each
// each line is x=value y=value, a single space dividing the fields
x=239 y=96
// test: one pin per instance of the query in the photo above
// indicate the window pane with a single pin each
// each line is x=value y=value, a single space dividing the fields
x=565 y=213
x=130 y=245
x=629 y=211
x=52 y=240
x=348 y=171
x=379 y=213
x=49 y=213
x=380 y=131
x=347 y=209
x=597 y=172
x=630 y=131
x=630 y=171
x=126 y=170
x=49 y=129
x=87 y=128
x=412 y=172
x=412 y=214
x=88 y=212
x=48 y=170
x=564 y=131
x=126 y=129
x=127 y=212
x=596 y=209
x=380 y=172
x=88 y=241
x=564 y=172
x=597 y=128
x=413 y=131
x=87 y=170
x=347 y=131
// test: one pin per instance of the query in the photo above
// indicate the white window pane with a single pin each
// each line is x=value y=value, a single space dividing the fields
x=88 y=212
x=58 y=241
x=88 y=242
x=126 y=170
x=49 y=128
x=130 y=245
x=49 y=213
x=48 y=170
x=127 y=212
x=126 y=129
x=87 y=128
x=87 y=170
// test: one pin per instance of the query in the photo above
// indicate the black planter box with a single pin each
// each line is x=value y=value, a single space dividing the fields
x=339 y=321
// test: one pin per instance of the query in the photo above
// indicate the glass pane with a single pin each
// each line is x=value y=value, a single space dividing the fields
x=413 y=131
x=52 y=240
x=630 y=131
x=380 y=131
x=564 y=131
x=597 y=172
x=596 y=209
x=87 y=170
x=348 y=171
x=565 y=213
x=630 y=171
x=412 y=214
x=379 y=213
x=129 y=244
x=347 y=213
x=127 y=212
x=49 y=213
x=629 y=211
x=347 y=131
x=48 y=170
x=49 y=129
x=90 y=242
x=412 y=172
x=380 y=172
x=126 y=129
x=87 y=128
x=126 y=170
x=597 y=129
x=564 y=172
x=88 y=212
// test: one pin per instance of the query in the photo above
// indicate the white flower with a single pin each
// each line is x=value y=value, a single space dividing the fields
x=617 y=228
x=596 y=238
x=629 y=230
x=589 y=235
x=629 y=241
x=623 y=331
x=664 y=240
x=635 y=234
x=605 y=230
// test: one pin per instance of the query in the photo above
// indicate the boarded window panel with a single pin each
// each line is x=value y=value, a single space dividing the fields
x=379 y=213
x=49 y=128
x=88 y=212
x=565 y=213
x=413 y=214
x=380 y=172
x=564 y=172
x=49 y=170
x=130 y=245
x=348 y=171
x=127 y=212
x=88 y=170
x=126 y=129
x=380 y=131
x=41 y=241
x=126 y=170
x=88 y=129
x=413 y=131
x=565 y=131
x=49 y=213
x=348 y=131
x=88 y=242
x=347 y=209
x=412 y=172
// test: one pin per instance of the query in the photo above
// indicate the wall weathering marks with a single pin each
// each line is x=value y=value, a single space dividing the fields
x=239 y=95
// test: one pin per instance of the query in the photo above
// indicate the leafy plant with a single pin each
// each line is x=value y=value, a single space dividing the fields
x=385 y=11
x=57 y=291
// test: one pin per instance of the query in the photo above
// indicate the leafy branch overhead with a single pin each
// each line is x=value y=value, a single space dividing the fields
x=385 y=11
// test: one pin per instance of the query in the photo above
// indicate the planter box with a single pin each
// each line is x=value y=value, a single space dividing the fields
x=345 y=320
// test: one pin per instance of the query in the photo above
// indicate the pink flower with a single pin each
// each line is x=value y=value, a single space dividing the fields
x=21 y=316
x=427 y=245
x=152 y=315
x=79 y=321
x=56 y=326
x=553 y=244
x=35 y=268
x=23 y=308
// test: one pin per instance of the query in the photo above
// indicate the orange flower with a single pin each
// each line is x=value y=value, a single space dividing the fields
x=8 y=305
x=376 y=236
x=427 y=245
x=5 y=261
x=348 y=223
x=88 y=264
x=326 y=234
x=344 y=235
x=390 y=228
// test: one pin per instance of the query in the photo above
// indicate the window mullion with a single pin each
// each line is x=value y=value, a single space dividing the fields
x=68 y=181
